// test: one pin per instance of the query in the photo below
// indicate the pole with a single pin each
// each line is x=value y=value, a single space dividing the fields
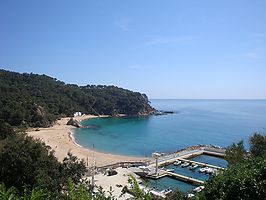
x=156 y=169
x=93 y=167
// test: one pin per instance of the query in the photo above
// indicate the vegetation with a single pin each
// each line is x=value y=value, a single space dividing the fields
x=137 y=191
x=257 y=145
x=73 y=192
x=244 y=180
x=246 y=176
x=235 y=153
x=29 y=163
x=38 y=100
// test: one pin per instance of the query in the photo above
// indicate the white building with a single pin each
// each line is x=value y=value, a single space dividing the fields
x=76 y=114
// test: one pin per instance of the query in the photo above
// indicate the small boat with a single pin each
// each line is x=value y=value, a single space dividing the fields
x=190 y=195
x=185 y=164
x=177 y=162
x=166 y=191
x=198 y=189
x=210 y=170
x=202 y=170
x=170 y=170
x=194 y=166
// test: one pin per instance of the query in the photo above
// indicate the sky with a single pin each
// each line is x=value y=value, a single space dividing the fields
x=170 y=49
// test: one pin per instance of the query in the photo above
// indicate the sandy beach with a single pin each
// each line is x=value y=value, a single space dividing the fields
x=58 y=137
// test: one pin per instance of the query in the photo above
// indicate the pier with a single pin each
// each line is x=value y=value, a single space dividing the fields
x=201 y=164
x=163 y=173
x=185 y=178
x=183 y=156
x=171 y=158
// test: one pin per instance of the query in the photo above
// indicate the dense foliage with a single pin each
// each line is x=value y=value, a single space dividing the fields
x=244 y=180
x=235 y=153
x=246 y=176
x=38 y=100
x=257 y=144
x=72 y=192
x=25 y=162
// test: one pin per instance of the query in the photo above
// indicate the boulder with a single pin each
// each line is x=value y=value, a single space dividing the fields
x=74 y=122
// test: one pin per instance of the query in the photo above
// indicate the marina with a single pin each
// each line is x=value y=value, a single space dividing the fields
x=164 y=173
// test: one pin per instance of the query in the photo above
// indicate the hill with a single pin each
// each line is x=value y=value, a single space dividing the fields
x=38 y=100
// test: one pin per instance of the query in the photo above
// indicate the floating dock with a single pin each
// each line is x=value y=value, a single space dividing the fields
x=164 y=173
x=171 y=158
x=201 y=164
x=186 y=178
x=182 y=156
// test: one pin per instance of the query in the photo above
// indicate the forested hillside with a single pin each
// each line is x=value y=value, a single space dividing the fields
x=38 y=100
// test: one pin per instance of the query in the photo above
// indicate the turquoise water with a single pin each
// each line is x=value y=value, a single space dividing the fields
x=167 y=182
x=211 y=160
x=190 y=173
x=216 y=122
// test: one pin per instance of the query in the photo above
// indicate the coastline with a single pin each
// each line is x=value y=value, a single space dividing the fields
x=60 y=138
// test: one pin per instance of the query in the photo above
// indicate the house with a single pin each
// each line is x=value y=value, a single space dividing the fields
x=76 y=114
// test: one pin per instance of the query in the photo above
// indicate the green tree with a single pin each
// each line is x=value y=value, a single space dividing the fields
x=25 y=162
x=7 y=194
x=5 y=130
x=245 y=180
x=37 y=194
x=38 y=100
x=73 y=168
x=235 y=153
x=257 y=144
x=176 y=195
x=137 y=191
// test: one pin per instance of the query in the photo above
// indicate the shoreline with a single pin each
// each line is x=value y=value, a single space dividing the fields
x=71 y=135
x=60 y=137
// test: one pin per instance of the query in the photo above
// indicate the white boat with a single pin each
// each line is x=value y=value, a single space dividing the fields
x=198 y=189
x=190 y=195
x=202 y=170
x=194 y=166
x=166 y=191
x=170 y=170
x=210 y=170
x=185 y=164
x=207 y=170
x=177 y=162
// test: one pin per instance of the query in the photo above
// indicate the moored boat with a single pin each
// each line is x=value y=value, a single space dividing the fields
x=185 y=164
x=194 y=166
x=170 y=170
x=178 y=162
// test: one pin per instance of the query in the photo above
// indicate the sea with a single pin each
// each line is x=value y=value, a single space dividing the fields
x=209 y=122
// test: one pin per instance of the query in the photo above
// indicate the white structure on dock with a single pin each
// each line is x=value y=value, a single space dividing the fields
x=156 y=156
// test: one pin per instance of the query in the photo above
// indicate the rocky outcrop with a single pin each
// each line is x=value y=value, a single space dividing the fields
x=74 y=122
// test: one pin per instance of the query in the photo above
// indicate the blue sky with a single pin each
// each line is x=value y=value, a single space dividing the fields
x=166 y=49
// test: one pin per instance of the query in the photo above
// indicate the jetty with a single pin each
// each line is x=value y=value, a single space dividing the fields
x=185 y=178
x=163 y=173
x=164 y=160
x=171 y=158
x=201 y=164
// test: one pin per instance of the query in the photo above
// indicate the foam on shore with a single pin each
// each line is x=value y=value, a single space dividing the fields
x=71 y=135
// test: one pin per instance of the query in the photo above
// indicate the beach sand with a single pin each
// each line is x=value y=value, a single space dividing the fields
x=58 y=137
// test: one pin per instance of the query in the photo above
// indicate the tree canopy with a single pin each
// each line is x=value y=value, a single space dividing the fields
x=25 y=162
x=246 y=176
x=38 y=100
